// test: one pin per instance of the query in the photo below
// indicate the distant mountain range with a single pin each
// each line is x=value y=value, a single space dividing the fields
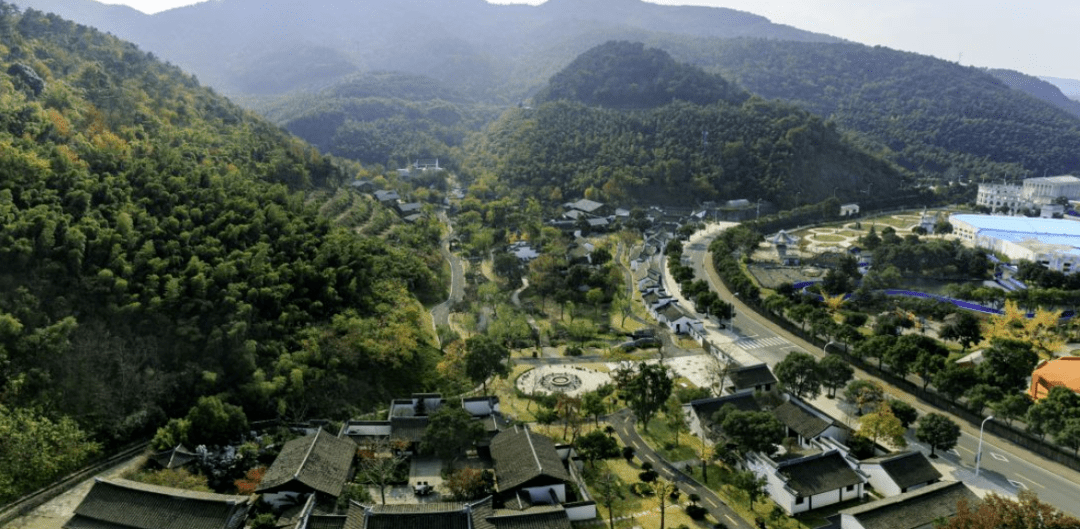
x=934 y=118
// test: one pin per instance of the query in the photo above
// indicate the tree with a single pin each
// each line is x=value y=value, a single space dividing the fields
x=592 y=403
x=36 y=450
x=938 y=431
x=568 y=408
x=664 y=489
x=964 y=329
x=1007 y=364
x=994 y=512
x=648 y=390
x=1011 y=407
x=799 y=373
x=609 y=490
x=926 y=365
x=675 y=417
x=751 y=431
x=863 y=393
x=485 y=358
x=748 y=482
x=835 y=373
x=380 y=462
x=954 y=380
x=1048 y=414
x=215 y=423
x=597 y=445
x=903 y=411
x=1069 y=435
x=468 y=484
x=628 y=454
x=624 y=307
x=450 y=431
x=882 y=424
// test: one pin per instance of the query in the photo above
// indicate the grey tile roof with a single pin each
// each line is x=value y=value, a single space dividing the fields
x=444 y=515
x=409 y=428
x=802 y=421
x=916 y=509
x=521 y=456
x=705 y=408
x=123 y=504
x=907 y=469
x=818 y=473
x=174 y=457
x=535 y=518
x=318 y=462
x=751 y=376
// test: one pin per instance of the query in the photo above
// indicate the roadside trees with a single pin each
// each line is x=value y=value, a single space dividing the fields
x=938 y=431
x=799 y=373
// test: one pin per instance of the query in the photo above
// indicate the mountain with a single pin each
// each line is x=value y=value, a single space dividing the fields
x=161 y=245
x=1069 y=87
x=273 y=46
x=1038 y=88
x=619 y=143
x=932 y=117
x=624 y=74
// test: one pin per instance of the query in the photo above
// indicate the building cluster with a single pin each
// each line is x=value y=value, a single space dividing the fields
x=1045 y=195
x=1053 y=243
x=815 y=468
x=537 y=484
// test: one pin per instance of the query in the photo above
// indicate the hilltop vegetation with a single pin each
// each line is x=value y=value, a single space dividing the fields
x=930 y=116
x=728 y=148
x=159 y=246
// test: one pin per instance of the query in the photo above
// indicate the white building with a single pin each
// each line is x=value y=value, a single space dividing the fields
x=1033 y=194
x=1053 y=243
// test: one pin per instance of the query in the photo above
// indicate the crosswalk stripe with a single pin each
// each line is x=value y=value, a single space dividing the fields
x=758 y=343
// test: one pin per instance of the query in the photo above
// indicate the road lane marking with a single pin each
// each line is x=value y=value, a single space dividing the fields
x=1017 y=484
x=1033 y=482
x=954 y=452
x=733 y=522
x=999 y=457
x=966 y=449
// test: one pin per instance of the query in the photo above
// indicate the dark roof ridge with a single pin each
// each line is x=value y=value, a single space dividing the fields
x=314 y=441
x=528 y=437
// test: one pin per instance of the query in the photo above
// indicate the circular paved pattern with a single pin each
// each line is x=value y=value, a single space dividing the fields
x=569 y=379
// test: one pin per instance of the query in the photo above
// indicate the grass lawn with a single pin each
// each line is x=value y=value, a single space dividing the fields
x=828 y=237
x=636 y=511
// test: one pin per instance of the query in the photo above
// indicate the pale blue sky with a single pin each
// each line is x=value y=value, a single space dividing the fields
x=1033 y=36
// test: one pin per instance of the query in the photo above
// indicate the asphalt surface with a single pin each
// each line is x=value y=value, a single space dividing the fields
x=1005 y=467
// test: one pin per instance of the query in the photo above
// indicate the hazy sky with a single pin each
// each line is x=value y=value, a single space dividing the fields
x=1032 y=36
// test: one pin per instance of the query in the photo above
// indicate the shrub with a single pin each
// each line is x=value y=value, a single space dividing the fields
x=696 y=512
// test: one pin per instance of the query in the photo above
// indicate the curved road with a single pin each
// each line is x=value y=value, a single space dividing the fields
x=1006 y=466
x=440 y=314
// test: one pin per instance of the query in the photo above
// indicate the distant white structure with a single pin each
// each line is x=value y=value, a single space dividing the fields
x=847 y=210
x=1053 y=243
x=1033 y=194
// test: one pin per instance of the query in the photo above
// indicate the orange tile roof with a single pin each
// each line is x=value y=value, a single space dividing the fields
x=1064 y=371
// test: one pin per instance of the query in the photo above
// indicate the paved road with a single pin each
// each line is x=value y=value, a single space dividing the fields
x=440 y=314
x=625 y=426
x=1012 y=468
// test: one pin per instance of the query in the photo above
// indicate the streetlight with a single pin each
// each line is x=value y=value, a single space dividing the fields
x=978 y=453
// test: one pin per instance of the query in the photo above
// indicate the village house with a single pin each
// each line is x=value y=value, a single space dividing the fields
x=806 y=423
x=895 y=474
x=810 y=482
x=918 y=509
x=123 y=504
x=749 y=379
x=318 y=464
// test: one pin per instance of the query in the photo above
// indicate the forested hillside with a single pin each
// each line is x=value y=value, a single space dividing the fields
x=679 y=151
x=931 y=116
x=621 y=74
x=158 y=245
x=382 y=118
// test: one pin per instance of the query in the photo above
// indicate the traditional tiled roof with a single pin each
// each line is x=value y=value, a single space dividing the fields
x=318 y=462
x=752 y=376
x=444 y=515
x=804 y=422
x=521 y=456
x=911 y=510
x=175 y=457
x=409 y=428
x=541 y=517
x=906 y=469
x=123 y=504
x=818 y=473
x=586 y=205
x=672 y=313
x=705 y=408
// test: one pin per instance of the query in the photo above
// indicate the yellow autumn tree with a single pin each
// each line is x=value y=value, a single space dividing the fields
x=1040 y=330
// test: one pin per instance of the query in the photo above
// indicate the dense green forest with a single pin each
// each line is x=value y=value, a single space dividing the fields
x=161 y=244
x=622 y=74
x=678 y=151
x=382 y=118
x=930 y=116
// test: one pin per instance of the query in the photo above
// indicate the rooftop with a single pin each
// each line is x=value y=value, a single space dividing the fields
x=120 y=504
x=911 y=510
x=318 y=462
x=1064 y=371
x=819 y=473
x=521 y=455
x=802 y=420
x=752 y=376
x=906 y=469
